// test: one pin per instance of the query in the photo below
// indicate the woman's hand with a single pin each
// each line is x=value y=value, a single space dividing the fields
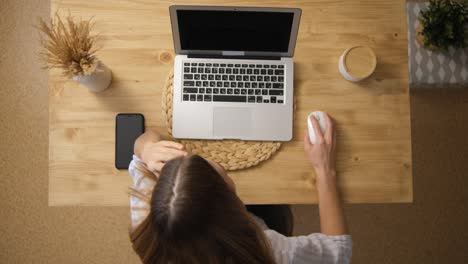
x=322 y=154
x=156 y=153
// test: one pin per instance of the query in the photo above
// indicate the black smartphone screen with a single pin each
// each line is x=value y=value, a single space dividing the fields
x=128 y=127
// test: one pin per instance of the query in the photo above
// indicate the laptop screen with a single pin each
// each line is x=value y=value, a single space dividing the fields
x=235 y=30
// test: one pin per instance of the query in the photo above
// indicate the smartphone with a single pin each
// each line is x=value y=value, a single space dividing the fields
x=128 y=127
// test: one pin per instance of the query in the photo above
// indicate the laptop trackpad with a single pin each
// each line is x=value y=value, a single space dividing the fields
x=230 y=122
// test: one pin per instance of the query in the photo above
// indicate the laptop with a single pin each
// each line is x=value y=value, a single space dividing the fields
x=233 y=72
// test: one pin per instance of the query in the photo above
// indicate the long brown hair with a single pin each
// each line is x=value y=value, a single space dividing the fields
x=196 y=218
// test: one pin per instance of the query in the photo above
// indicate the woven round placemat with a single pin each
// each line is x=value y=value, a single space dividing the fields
x=231 y=154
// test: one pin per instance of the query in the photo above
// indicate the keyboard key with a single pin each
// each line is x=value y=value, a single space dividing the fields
x=222 y=90
x=263 y=72
x=216 y=64
x=249 y=71
x=266 y=66
x=228 y=71
x=258 y=65
x=186 y=64
x=208 y=90
x=270 y=72
x=264 y=92
x=253 y=78
x=233 y=84
x=280 y=79
x=273 y=99
x=201 y=64
x=235 y=71
x=280 y=101
x=256 y=71
x=185 y=97
x=246 y=77
x=198 y=83
x=266 y=101
x=266 y=79
x=208 y=65
x=210 y=77
x=221 y=70
x=215 y=70
x=218 y=77
x=193 y=97
x=275 y=92
x=212 y=84
x=247 y=85
x=188 y=76
x=230 y=91
x=190 y=90
x=199 y=97
x=237 y=65
x=226 y=84
x=207 y=98
x=259 y=99
x=278 y=85
x=251 y=66
x=251 y=99
x=196 y=76
x=279 y=72
x=225 y=77
x=243 y=91
x=200 y=70
x=240 y=85
x=273 y=78
x=189 y=83
x=260 y=78
x=254 y=85
x=273 y=66
x=229 y=65
x=194 y=64
x=207 y=70
x=186 y=69
x=268 y=85
x=238 y=78
x=205 y=83
x=223 y=65
x=219 y=84
x=236 y=91
x=229 y=98
x=201 y=90
x=215 y=90
x=244 y=65
x=261 y=85
x=280 y=66
x=193 y=70
x=258 y=91
x=204 y=77
x=251 y=91
x=232 y=77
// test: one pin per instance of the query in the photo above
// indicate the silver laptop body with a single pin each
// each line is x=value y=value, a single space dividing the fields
x=233 y=72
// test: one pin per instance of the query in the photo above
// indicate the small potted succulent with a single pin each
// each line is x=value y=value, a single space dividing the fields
x=69 y=46
x=444 y=24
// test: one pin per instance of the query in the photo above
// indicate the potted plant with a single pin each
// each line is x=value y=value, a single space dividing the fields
x=444 y=24
x=70 y=47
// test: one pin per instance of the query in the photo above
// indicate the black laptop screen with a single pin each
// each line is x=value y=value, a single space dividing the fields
x=234 y=30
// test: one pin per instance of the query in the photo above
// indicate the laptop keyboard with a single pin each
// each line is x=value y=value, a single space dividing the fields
x=226 y=82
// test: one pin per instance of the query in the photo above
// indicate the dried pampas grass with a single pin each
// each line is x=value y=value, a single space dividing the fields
x=68 y=45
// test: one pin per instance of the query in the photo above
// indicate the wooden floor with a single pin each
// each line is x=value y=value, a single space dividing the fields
x=431 y=230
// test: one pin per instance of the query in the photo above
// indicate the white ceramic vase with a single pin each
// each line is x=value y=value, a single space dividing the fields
x=97 y=81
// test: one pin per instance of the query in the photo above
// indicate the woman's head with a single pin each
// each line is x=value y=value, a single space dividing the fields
x=196 y=217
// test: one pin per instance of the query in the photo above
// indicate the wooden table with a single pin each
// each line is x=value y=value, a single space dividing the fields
x=373 y=117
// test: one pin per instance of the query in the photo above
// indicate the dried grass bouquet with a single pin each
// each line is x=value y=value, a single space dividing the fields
x=68 y=45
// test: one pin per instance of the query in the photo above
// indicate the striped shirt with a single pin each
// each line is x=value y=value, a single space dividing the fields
x=313 y=248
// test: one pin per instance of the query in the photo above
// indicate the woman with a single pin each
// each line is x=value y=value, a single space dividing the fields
x=184 y=209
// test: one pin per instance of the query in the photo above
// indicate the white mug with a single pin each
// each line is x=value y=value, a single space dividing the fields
x=370 y=57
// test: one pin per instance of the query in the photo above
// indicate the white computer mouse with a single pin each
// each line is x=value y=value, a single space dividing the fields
x=320 y=117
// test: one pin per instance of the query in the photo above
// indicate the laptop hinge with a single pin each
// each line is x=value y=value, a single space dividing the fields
x=235 y=57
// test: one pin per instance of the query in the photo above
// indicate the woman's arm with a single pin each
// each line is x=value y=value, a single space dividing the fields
x=322 y=156
x=154 y=152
